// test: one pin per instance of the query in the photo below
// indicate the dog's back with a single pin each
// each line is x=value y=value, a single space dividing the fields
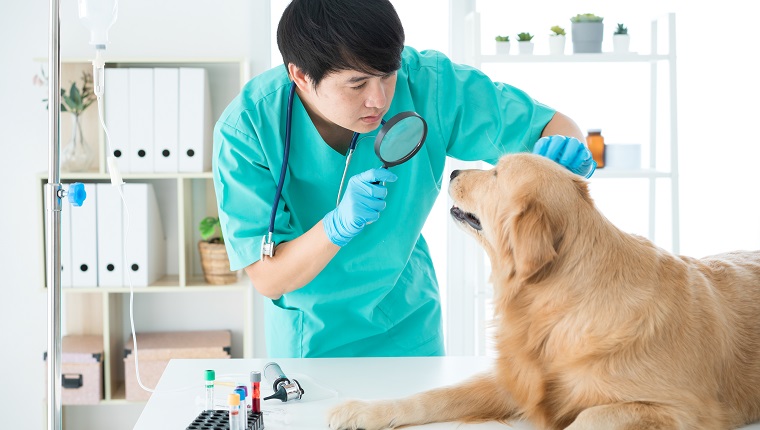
x=735 y=276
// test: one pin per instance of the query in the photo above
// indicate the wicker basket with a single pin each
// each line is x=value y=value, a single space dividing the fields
x=216 y=264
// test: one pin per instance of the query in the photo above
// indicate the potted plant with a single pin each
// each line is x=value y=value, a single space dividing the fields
x=620 y=39
x=588 y=32
x=557 y=41
x=524 y=43
x=214 y=260
x=502 y=45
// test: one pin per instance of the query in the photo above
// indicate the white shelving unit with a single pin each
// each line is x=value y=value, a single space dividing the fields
x=472 y=308
x=183 y=199
x=475 y=58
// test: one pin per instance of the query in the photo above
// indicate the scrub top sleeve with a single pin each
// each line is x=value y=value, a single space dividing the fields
x=481 y=119
x=245 y=189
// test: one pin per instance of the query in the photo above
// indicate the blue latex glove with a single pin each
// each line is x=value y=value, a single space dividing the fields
x=567 y=151
x=361 y=204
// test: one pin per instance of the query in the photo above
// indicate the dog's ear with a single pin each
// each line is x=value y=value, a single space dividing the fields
x=531 y=241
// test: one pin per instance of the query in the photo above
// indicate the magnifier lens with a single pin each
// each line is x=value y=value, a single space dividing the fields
x=402 y=139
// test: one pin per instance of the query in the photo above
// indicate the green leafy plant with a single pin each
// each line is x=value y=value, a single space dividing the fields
x=586 y=17
x=524 y=37
x=621 y=29
x=502 y=38
x=557 y=30
x=76 y=100
x=208 y=227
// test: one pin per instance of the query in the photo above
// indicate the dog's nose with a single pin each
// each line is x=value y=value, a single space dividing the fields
x=455 y=173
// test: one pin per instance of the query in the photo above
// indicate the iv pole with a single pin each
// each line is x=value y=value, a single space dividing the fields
x=53 y=195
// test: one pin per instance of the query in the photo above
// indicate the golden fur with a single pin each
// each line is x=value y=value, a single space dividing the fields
x=596 y=328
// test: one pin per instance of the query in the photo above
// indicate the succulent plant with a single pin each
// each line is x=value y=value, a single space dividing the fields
x=586 y=17
x=502 y=38
x=558 y=31
x=621 y=29
x=524 y=37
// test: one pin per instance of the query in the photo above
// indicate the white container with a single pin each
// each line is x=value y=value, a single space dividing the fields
x=502 y=48
x=621 y=43
x=557 y=45
x=622 y=156
x=525 y=48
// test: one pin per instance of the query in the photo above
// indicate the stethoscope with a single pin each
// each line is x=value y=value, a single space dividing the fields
x=392 y=147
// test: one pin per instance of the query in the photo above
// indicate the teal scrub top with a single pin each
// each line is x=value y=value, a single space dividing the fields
x=379 y=295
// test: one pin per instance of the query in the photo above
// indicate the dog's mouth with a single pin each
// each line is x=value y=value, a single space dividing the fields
x=466 y=217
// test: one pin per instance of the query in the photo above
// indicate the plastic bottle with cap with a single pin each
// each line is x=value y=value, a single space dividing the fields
x=255 y=402
x=233 y=400
x=210 y=376
x=241 y=390
x=595 y=142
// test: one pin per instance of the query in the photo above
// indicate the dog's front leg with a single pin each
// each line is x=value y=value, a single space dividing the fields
x=480 y=399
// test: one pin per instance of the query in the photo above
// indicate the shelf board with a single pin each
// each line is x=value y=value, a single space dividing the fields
x=627 y=173
x=604 y=57
x=130 y=176
x=167 y=284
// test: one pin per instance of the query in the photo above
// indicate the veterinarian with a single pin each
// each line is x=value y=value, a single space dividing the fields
x=347 y=281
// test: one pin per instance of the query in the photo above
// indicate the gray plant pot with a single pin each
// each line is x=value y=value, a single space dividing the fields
x=587 y=37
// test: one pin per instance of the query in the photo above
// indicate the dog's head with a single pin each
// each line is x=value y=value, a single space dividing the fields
x=518 y=211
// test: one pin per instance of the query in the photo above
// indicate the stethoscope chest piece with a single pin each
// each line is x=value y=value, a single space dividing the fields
x=267 y=246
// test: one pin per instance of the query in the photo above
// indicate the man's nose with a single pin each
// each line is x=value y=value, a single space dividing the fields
x=377 y=98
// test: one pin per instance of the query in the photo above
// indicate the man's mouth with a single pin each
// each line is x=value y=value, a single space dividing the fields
x=467 y=217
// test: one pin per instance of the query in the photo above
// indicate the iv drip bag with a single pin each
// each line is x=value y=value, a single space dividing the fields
x=98 y=16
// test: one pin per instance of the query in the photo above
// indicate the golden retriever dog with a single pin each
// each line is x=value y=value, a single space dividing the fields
x=595 y=328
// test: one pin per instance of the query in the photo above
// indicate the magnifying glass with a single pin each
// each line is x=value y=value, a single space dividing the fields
x=400 y=138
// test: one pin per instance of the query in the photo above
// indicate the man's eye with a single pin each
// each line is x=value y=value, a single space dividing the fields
x=358 y=87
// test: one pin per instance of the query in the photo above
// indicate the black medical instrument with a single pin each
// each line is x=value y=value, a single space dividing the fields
x=399 y=139
x=284 y=388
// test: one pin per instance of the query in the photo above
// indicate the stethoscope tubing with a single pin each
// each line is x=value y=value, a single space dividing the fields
x=286 y=155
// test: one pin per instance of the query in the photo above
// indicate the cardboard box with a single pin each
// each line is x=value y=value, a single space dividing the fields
x=81 y=370
x=156 y=349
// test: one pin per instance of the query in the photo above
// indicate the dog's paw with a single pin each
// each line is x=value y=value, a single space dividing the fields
x=355 y=414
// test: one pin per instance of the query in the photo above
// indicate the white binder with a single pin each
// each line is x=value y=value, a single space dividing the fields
x=110 y=240
x=140 y=120
x=66 y=243
x=195 y=127
x=144 y=236
x=166 y=115
x=116 y=106
x=84 y=251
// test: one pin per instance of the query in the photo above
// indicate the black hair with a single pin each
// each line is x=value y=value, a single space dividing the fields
x=326 y=36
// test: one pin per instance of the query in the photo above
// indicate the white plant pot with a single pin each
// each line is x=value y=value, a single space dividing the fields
x=621 y=43
x=525 y=47
x=502 y=48
x=557 y=45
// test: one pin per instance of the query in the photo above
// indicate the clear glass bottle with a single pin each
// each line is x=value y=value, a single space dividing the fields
x=595 y=142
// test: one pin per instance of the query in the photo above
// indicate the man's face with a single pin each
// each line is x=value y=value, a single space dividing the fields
x=353 y=100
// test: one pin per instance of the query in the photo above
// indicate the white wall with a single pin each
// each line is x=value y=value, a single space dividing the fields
x=717 y=94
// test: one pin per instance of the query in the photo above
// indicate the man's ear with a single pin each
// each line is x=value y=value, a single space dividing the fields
x=302 y=80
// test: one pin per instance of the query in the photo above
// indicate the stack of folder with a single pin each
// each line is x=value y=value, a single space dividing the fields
x=97 y=249
x=159 y=119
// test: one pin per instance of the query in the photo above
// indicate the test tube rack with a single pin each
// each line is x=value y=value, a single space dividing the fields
x=219 y=420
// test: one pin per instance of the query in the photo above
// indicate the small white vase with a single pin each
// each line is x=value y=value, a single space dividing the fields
x=557 y=44
x=525 y=48
x=502 y=48
x=620 y=43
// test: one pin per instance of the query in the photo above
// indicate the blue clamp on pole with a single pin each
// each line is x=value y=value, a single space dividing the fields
x=76 y=194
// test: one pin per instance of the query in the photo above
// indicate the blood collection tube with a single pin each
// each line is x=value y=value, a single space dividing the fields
x=233 y=400
x=240 y=389
x=210 y=376
x=255 y=401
